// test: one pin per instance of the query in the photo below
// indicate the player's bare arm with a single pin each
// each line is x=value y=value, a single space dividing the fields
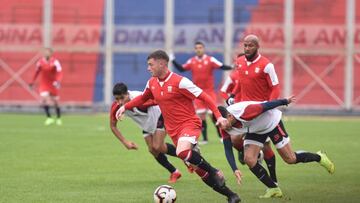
x=238 y=176
x=120 y=113
x=128 y=144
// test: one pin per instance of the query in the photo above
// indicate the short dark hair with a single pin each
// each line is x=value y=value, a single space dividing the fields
x=223 y=111
x=159 y=54
x=120 y=89
x=199 y=43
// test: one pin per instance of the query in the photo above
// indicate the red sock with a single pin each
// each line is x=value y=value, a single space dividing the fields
x=185 y=155
x=203 y=174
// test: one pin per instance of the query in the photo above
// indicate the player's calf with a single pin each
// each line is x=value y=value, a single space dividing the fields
x=289 y=158
x=220 y=188
x=250 y=160
x=196 y=159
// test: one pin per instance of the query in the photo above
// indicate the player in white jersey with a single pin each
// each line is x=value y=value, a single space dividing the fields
x=146 y=118
x=260 y=120
x=149 y=118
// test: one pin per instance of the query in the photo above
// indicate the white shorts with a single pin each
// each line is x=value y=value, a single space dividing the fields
x=191 y=139
x=45 y=94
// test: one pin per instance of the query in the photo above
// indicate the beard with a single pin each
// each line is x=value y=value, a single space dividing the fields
x=250 y=57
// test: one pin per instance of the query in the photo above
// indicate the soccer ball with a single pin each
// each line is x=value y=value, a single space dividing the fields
x=164 y=194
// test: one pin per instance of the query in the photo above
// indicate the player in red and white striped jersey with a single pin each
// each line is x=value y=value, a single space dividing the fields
x=174 y=95
x=50 y=72
x=260 y=120
x=202 y=67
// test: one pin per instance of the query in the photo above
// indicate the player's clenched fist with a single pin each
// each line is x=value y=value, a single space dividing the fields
x=120 y=113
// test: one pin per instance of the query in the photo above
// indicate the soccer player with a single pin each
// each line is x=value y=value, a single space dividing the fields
x=202 y=69
x=174 y=95
x=257 y=81
x=259 y=120
x=230 y=83
x=148 y=117
x=50 y=72
x=257 y=77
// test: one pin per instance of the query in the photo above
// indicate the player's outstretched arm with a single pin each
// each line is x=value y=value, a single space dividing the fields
x=226 y=67
x=128 y=144
x=120 y=113
x=254 y=110
x=136 y=102
x=278 y=102
x=36 y=74
x=178 y=66
x=230 y=156
x=291 y=99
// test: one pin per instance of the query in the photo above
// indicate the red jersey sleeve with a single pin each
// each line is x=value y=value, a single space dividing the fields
x=190 y=90
x=187 y=65
x=147 y=104
x=37 y=71
x=227 y=87
x=252 y=111
x=215 y=63
x=114 y=107
x=272 y=81
x=59 y=73
x=141 y=99
x=237 y=88
x=210 y=103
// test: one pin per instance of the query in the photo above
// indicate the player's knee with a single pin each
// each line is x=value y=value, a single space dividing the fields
x=250 y=160
x=184 y=155
x=152 y=150
x=157 y=147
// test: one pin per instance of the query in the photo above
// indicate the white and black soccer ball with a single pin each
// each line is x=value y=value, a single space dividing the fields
x=164 y=194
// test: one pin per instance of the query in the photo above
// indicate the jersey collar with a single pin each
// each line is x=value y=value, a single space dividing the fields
x=199 y=59
x=162 y=81
x=254 y=61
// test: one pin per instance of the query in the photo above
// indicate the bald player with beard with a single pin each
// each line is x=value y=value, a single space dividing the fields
x=256 y=81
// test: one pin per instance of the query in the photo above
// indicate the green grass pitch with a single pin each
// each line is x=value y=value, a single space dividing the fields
x=82 y=161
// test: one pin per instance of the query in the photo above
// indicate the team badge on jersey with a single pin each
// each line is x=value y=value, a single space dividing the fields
x=169 y=88
x=246 y=73
x=206 y=62
x=257 y=69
